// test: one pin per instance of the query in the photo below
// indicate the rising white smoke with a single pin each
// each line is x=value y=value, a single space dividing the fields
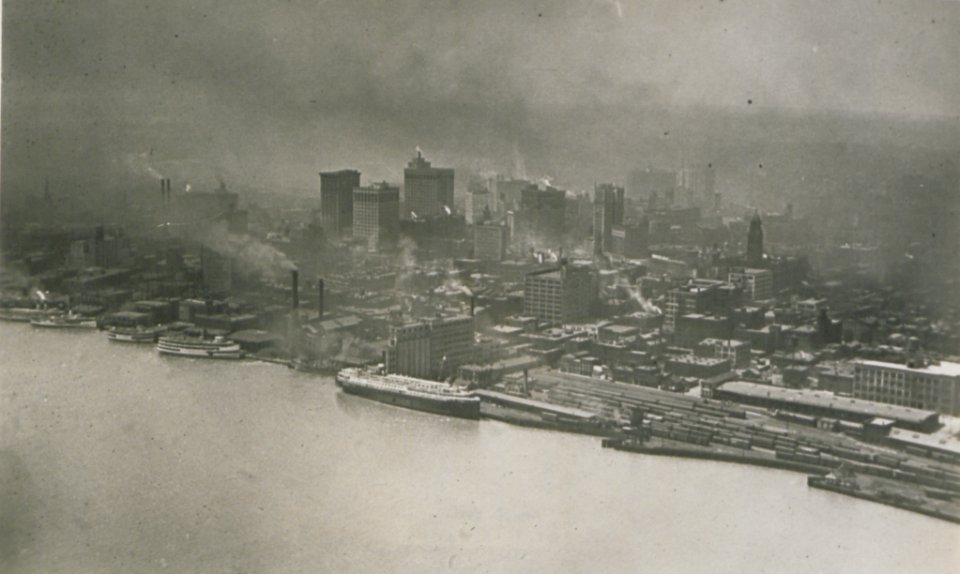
x=246 y=250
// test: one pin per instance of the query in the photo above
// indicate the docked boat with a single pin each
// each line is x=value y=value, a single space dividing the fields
x=134 y=335
x=190 y=346
x=25 y=315
x=409 y=392
x=68 y=321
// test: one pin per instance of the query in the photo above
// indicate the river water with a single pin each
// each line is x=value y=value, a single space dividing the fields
x=115 y=459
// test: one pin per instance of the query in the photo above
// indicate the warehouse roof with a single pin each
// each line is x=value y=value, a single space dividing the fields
x=826 y=400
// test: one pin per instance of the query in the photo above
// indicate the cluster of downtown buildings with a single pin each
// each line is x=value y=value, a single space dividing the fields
x=651 y=283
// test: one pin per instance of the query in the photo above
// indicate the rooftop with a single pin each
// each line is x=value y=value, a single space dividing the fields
x=827 y=400
x=943 y=368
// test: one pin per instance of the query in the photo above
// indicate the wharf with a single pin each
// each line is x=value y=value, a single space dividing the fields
x=875 y=492
x=715 y=454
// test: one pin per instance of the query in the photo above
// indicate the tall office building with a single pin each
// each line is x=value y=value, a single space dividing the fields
x=755 y=240
x=478 y=206
x=560 y=295
x=653 y=187
x=698 y=184
x=376 y=215
x=541 y=216
x=631 y=239
x=336 y=201
x=427 y=190
x=489 y=242
x=607 y=212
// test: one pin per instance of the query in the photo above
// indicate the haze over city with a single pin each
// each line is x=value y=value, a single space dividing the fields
x=434 y=285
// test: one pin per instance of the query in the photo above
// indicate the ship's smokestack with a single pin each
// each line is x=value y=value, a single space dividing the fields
x=295 y=284
x=320 y=297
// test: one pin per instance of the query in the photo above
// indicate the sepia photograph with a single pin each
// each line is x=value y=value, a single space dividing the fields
x=480 y=286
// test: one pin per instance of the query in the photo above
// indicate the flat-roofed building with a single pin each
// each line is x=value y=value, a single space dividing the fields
x=700 y=296
x=934 y=386
x=757 y=284
x=376 y=216
x=561 y=295
x=824 y=404
x=489 y=242
x=431 y=349
x=737 y=351
x=336 y=201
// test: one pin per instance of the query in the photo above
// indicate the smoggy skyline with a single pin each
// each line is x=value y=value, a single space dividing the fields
x=271 y=93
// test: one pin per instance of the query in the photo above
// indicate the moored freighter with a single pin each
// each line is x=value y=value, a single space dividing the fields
x=409 y=392
x=188 y=346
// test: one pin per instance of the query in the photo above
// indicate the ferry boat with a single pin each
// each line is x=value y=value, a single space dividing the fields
x=68 y=321
x=189 y=346
x=25 y=315
x=134 y=334
x=410 y=392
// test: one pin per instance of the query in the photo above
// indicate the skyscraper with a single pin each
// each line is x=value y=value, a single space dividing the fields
x=607 y=212
x=755 y=240
x=427 y=190
x=541 y=216
x=376 y=215
x=336 y=201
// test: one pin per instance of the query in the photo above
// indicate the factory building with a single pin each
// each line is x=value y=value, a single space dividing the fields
x=431 y=349
x=934 y=386
x=560 y=295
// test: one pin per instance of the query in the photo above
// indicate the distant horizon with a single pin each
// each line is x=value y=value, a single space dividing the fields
x=268 y=96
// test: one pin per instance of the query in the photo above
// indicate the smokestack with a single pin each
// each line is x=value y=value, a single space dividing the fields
x=473 y=304
x=294 y=282
x=320 y=297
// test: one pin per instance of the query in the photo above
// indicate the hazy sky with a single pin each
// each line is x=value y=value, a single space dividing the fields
x=276 y=91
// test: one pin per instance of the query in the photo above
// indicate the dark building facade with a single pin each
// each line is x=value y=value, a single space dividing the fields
x=607 y=212
x=542 y=215
x=755 y=241
x=336 y=201
x=427 y=190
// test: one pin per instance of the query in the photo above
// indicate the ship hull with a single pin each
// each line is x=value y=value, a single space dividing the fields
x=467 y=408
x=177 y=347
x=200 y=353
x=52 y=324
x=143 y=337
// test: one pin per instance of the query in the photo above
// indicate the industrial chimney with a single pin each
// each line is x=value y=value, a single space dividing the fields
x=320 y=297
x=294 y=282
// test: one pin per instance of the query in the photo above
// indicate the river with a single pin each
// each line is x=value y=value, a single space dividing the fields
x=115 y=459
